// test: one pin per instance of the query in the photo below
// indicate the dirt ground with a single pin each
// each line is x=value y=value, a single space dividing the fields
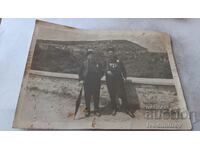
x=51 y=101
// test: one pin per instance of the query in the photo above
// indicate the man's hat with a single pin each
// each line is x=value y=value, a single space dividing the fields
x=111 y=49
x=90 y=50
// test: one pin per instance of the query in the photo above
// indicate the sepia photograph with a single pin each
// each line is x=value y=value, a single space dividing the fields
x=99 y=74
x=100 y=80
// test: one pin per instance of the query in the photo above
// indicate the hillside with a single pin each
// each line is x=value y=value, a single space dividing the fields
x=67 y=56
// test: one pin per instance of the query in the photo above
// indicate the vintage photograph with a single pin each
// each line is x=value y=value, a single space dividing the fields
x=97 y=79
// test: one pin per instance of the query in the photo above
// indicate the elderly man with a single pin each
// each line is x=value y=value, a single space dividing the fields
x=90 y=76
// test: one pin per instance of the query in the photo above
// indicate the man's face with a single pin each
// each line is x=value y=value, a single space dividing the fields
x=110 y=54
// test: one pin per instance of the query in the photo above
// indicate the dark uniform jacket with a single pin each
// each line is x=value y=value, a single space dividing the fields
x=90 y=70
x=116 y=69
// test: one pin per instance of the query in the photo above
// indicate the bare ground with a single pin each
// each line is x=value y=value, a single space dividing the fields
x=51 y=101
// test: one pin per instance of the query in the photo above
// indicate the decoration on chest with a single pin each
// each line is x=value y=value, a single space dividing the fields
x=113 y=65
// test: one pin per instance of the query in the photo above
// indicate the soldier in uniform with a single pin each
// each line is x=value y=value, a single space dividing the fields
x=115 y=76
x=90 y=76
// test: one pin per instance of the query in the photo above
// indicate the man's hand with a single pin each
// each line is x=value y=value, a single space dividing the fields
x=81 y=83
x=109 y=72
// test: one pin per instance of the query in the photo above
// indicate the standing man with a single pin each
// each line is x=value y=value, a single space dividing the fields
x=115 y=76
x=90 y=76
